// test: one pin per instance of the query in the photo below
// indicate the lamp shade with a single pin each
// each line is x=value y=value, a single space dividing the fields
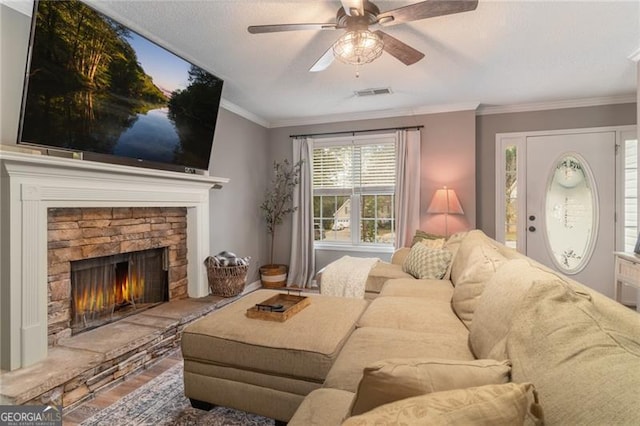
x=445 y=201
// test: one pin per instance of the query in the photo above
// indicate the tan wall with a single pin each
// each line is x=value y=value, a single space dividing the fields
x=240 y=153
x=448 y=158
x=570 y=118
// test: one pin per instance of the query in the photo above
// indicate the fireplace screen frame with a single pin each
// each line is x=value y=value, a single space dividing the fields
x=108 y=288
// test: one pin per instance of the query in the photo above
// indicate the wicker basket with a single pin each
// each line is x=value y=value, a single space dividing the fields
x=226 y=281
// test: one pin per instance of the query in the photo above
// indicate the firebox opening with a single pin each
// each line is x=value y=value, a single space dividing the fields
x=110 y=288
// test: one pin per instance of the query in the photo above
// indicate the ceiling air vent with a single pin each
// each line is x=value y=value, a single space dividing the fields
x=373 y=92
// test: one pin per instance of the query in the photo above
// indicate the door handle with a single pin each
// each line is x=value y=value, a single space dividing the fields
x=532 y=229
x=532 y=217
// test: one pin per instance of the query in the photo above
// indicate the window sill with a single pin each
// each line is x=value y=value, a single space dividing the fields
x=352 y=248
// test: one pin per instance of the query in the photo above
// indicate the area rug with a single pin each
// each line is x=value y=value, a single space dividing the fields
x=162 y=402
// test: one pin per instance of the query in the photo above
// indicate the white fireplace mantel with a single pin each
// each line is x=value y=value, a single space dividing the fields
x=29 y=185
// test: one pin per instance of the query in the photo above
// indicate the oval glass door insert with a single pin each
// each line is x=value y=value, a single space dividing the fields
x=571 y=212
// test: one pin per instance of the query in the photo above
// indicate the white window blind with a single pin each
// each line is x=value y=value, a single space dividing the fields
x=354 y=167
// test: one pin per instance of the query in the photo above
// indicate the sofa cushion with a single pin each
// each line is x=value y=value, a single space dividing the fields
x=500 y=299
x=496 y=405
x=412 y=313
x=482 y=262
x=584 y=363
x=380 y=273
x=398 y=256
x=394 y=379
x=369 y=344
x=427 y=263
x=409 y=287
x=323 y=407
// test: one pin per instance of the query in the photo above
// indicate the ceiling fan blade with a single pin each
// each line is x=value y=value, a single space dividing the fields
x=399 y=50
x=325 y=60
x=260 y=29
x=425 y=9
x=353 y=7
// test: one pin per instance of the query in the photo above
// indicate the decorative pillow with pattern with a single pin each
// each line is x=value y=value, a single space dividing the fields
x=427 y=263
x=435 y=244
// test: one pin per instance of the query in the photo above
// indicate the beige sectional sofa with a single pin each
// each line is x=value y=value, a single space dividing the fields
x=572 y=351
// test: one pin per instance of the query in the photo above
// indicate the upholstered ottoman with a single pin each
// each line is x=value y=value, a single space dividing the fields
x=265 y=367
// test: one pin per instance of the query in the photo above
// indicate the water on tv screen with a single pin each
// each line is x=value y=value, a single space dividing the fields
x=94 y=85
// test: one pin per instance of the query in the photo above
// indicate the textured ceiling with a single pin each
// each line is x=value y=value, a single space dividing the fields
x=503 y=53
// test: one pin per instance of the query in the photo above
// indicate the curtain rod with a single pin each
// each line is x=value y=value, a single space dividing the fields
x=353 y=132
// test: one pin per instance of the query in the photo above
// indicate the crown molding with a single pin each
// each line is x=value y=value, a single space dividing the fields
x=405 y=112
x=229 y=106
x=369 y=115
x=571 y=103
x=23 y=6
x=635 y=56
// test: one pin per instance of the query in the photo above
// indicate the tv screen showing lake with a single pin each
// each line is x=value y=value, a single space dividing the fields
x=152 y=136
x=94 y=85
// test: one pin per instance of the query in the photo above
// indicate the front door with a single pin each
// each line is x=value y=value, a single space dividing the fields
x=570 y=205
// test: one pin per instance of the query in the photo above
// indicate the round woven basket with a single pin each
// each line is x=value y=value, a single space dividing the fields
x=226 y=281
x=274 y=276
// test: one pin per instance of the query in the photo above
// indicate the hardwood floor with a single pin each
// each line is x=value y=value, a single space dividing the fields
x=105 y=399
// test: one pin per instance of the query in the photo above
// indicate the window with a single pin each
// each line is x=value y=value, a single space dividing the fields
x=353 y=190
x=511 y=196
x=510 y=157
x=630 y=193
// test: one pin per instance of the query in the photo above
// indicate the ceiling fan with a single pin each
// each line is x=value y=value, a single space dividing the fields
x=359 y=45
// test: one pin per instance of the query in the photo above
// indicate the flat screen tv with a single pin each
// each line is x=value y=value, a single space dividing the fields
x=94 y=86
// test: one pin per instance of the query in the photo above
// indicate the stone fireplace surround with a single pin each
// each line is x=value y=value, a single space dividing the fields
x=31 y=185
x=86 y=233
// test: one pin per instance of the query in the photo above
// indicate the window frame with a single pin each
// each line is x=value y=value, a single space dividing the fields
x=355 y=194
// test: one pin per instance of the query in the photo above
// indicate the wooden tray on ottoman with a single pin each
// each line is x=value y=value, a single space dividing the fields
x=291 y=304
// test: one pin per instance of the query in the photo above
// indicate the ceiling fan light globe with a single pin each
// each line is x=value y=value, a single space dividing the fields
x=358 y=47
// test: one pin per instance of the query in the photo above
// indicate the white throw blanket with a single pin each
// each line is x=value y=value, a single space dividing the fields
x=347 y=276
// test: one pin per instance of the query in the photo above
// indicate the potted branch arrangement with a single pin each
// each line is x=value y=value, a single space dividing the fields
x=276 y=205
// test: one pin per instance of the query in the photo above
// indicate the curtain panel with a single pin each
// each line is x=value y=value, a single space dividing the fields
x=302 y=260
x=407 y=185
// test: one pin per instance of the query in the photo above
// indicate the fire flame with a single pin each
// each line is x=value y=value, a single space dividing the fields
x=130 y=291
x=100 y=298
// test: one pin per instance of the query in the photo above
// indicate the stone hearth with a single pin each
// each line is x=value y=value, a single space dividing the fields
x=81 y=366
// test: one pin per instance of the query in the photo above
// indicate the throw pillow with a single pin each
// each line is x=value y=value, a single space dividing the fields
x=482 y=263
x=581 y=350
x=426 y=263
x=499 y=303
x=496 y=405
x=395 y=379
x=436 y=244
x=452 y=244
x=421 y=235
